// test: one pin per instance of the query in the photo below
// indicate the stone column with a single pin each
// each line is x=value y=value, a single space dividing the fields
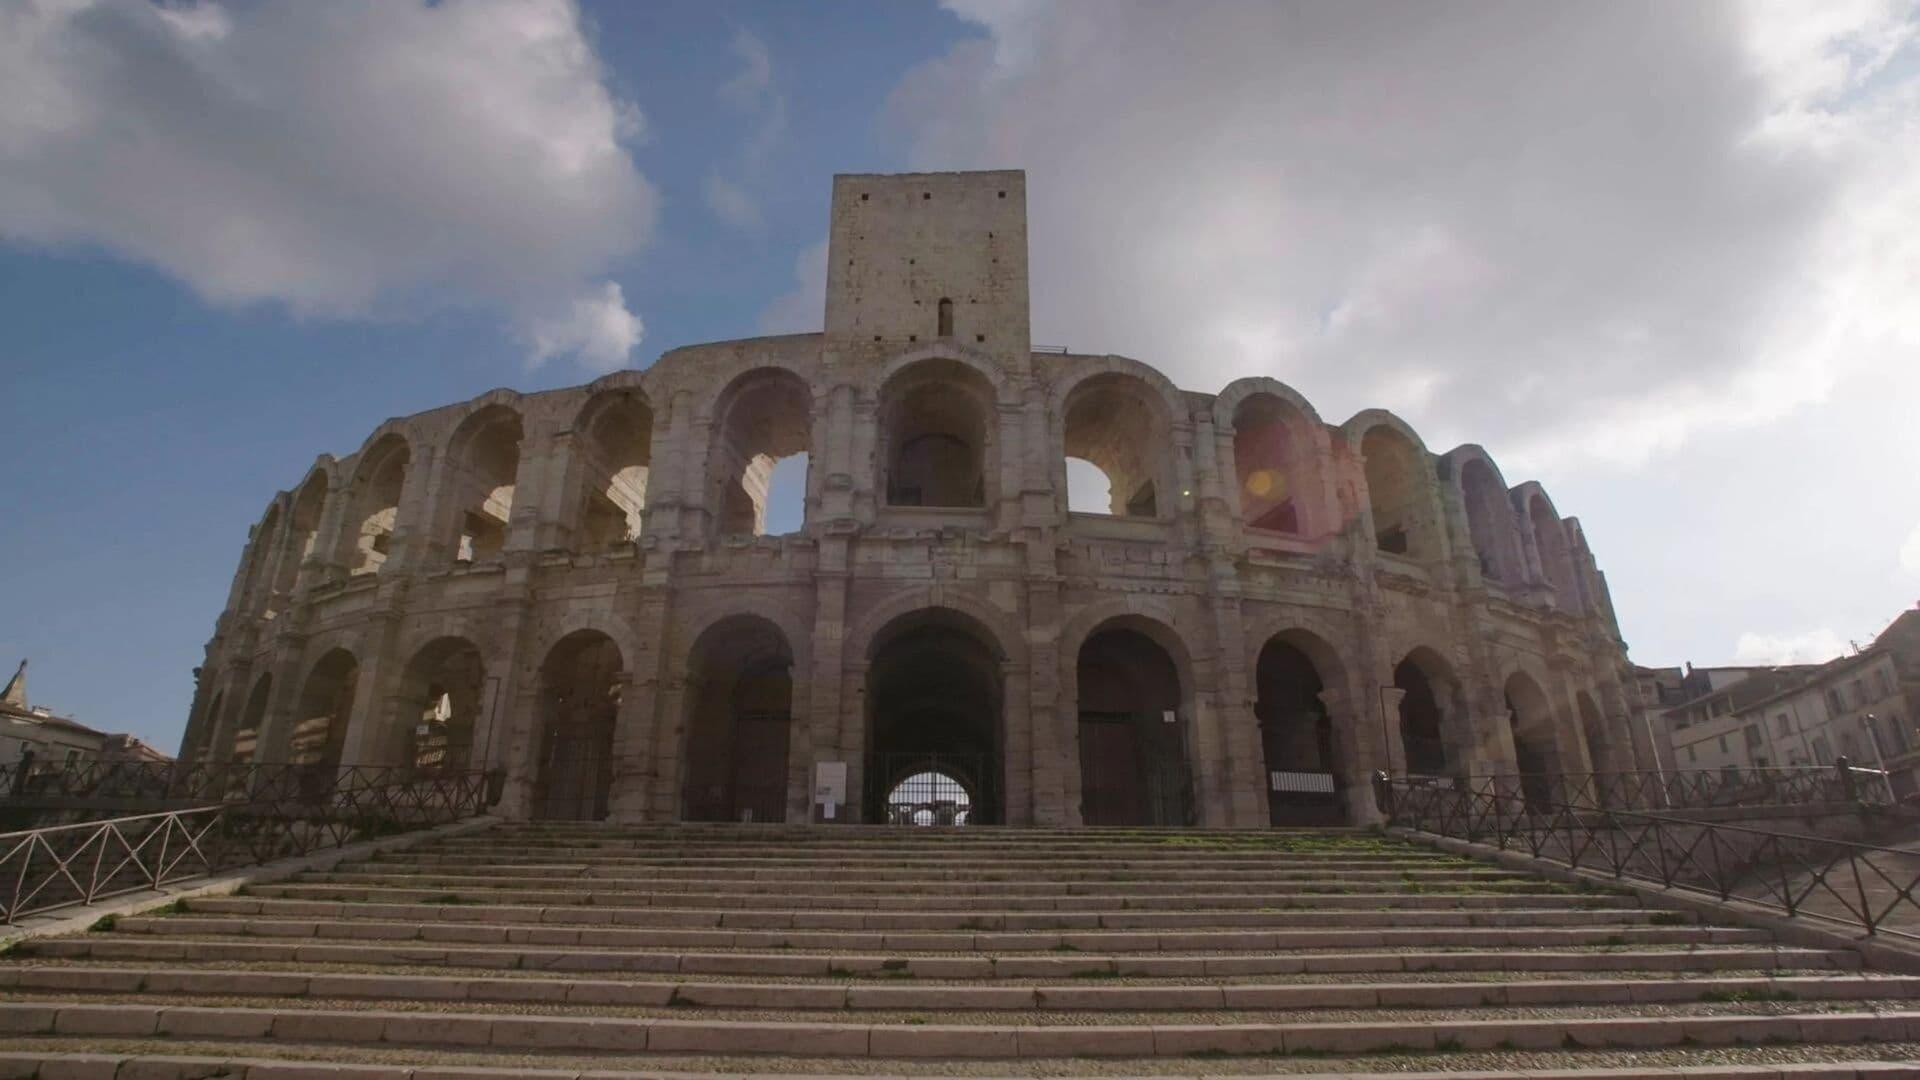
x=1356 y=758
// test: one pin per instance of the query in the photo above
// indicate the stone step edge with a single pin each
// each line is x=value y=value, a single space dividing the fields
x=1030 y=965
x=537 y=914
x=456 y=1030
x=25 y=1065
x=966 y=940
x=1063 y=998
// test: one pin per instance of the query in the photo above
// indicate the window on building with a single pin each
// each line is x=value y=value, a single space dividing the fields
x=1834 y=702
x=1693 y=756
x=1783 y=724
x=1850 y=745
x=1753 y=736
x=1822 y=752
x=1859 y=693
x=1724 y=748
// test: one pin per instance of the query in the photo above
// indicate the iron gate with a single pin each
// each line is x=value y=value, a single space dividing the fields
x=932 y=789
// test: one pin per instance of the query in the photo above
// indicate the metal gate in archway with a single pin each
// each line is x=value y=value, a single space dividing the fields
x=932 y=789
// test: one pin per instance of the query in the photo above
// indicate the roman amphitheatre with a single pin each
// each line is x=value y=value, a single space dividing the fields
x=578 y=588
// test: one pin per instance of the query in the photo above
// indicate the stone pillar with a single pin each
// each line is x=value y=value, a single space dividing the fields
x=1386 y=705
x=1357 y=759
x=1017 y=755
x=637 y=733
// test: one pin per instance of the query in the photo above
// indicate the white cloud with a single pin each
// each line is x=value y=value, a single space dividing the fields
x=1812 y=647
x=349 y=159
x=1571 y=232
x=802 y=309
x=596 y=329
x=731 y=203
x=750 y=87
x=1910 y=552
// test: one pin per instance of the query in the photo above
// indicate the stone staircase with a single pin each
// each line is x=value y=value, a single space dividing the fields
x=575 y=950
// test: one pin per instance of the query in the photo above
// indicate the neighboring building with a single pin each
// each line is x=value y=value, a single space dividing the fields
x=1809 y=715
x=51 y=739
x=1663 y=689
x=577 y=586
x=58 y=740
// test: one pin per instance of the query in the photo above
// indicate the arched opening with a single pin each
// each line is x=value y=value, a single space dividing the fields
x=1304 y=783
x=208 y=748
x=1113 y=425
x=440 y=704
x=375 y=509
x=266 y=541
x=935 y=415
x=1426 y=689
x=614 y=460
x=326 y=708
x=1599 y=743
x=740 y=701
x=934 y=722
x=580 y=686
x=1397 y=493
x=1535 y=756
x=1270 y=459
x=946 y=318
x=764 y=420
x=242 y=745
x=483 y=467
x=1133 y=732
x=1556 y=558
x=1490 y=521
x=303 y=529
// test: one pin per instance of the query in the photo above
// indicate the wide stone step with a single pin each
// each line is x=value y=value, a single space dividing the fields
x=573 y=861
x=532 y=1033
x=1113 y=933
x=206 y=982
x=245 y=1061
x=1006 y=863
x=768 y=916
x=632 y=880
x=891 y=963
x=438 y=891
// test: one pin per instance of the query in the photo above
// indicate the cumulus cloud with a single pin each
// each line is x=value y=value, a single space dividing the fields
x=801 y=309
x=596 y=329
x=1910 y=553
x=1573 y=232
x=1812 y=647
x=731 y=203
x=346 y=159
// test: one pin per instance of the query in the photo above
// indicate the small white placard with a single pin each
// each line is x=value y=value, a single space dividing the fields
x=1169 y=716
x=829 y=783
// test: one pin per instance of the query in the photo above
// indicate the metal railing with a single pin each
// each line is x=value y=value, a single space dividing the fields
x=269 y=813
x=1689 y=789
x=1859 y=886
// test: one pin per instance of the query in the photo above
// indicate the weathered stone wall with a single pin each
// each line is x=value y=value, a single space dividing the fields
x=1496 y=602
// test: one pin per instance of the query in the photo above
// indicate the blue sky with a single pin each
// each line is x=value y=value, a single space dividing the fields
x=1673 y=279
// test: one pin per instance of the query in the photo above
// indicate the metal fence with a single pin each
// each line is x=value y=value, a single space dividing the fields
x=1687 y=789
x=266 y=813
x=1860 y=886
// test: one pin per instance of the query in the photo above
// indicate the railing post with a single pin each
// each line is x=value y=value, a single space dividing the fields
x=1848 y=791
x=1383 y=793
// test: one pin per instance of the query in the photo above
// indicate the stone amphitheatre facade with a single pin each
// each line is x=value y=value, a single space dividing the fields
x=577 y=588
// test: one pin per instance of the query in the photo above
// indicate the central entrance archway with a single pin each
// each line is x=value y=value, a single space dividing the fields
x=580 y=686
x=934 y=731
x=739 y=728
x=1133 y=732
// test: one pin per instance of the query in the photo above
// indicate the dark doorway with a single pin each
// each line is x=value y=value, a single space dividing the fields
x=739 y=730
x=580 y=687
x=1420 y=736
x=934 y=723
x=1133 y=733
x=1303 y=785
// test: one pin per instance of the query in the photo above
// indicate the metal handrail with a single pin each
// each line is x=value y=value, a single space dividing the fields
x=60 y=866
x=1693 y=789
x=1859 y=886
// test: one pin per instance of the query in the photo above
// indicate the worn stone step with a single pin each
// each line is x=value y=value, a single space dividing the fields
x=767 y=915
x=428 y=891
x=856 y=1040
x=1091 y=932
x=1036 y=965
x=313 y=1062
x=375 y=874
x=206 y=982
x=434 y=861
